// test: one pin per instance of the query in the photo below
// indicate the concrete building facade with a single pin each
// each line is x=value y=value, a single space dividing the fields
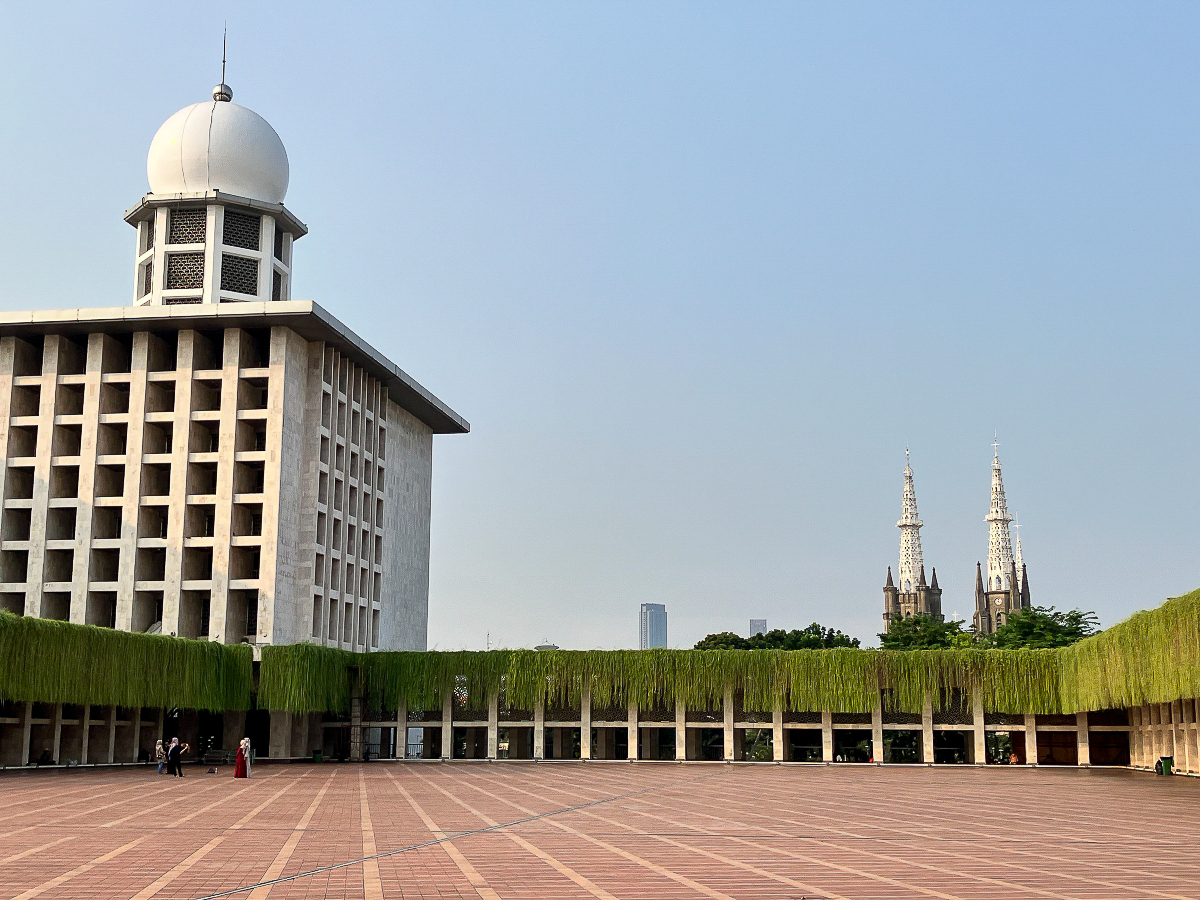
x=216 y=461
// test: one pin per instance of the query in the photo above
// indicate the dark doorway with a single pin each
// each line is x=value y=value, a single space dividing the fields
x=258 y=729
x=902 y=746
x=804 y=744
x=1006 y=748
x=711 y=744
x=1109 y=748
x=952 y=748
x=210 y=733
x=1057 y=748
x=851 y=745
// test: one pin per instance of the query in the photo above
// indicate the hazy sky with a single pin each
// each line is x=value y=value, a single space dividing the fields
x=696 y=273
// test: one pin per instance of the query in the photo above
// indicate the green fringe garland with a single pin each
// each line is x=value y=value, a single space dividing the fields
x=1153 y=657
x=48 y=661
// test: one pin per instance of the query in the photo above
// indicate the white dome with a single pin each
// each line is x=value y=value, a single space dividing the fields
x=218 y=146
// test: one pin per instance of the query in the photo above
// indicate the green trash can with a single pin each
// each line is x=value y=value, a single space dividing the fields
x=1164 y=765
x=318 y=756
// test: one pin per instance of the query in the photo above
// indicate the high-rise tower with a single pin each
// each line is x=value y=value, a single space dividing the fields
x=913 y=596
x=1005 y=590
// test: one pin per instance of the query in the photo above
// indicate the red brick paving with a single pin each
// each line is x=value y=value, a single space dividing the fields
x=613 y=831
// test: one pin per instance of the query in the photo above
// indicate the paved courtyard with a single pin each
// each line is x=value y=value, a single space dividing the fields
x=585 y=830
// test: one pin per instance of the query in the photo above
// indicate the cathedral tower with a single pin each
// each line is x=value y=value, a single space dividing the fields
x=1005 y=589
x=912 y=597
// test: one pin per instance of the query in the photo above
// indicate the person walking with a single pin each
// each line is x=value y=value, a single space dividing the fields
x=160 y=756
x=249 y=755
x=175 y=757
x=240 y=765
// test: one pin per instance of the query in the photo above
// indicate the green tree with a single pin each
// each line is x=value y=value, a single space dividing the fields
x=1042 y=627
x=814 y=637
x=926 y=633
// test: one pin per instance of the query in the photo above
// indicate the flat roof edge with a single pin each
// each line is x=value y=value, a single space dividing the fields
x=310 y=320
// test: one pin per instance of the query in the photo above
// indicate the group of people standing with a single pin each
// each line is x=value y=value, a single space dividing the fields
x=170 y=757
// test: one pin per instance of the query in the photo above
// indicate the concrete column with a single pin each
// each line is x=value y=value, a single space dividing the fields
x=136 y=722
x=81 y=563
x=539 y=730
x=777 y=732
x=402 y=730
x=131 y=500
x=877 y=731
x=1031 y=739
x=680 y=729
x=356 y=729
x=219 y=626
x=727 y=717
x=281 y=735
x=978 y=727
x=85 y=720
x=448 y=723
x=41 y=484
x=26 y=731
x=112 y=735
x=585 y=730
x=632 y=722
x=57 y=747
x=1081 y=739
x=927 y=730
x=180 y=445
x=493 y=736
x=826 y=735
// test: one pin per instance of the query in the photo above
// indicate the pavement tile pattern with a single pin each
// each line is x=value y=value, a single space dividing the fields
x=616 y=831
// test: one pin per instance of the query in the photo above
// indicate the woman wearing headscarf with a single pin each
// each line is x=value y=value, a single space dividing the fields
x=160 y=756
x=241 y=766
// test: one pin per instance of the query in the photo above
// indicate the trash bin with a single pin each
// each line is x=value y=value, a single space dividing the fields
x=318 y=756
x=1164 y=765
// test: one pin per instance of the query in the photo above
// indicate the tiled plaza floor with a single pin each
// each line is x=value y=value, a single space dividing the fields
x=607 y=830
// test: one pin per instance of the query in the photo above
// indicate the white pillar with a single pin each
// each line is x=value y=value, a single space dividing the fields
x=86 y=721
x=680 y=729
x=1081 y=739
x=26 y=731
x=539 y=730
x=112 y=735
x=58 y=732
x=877 y=731
x=777 y=748
x=448 y=723
x=493 y=737
x=978 y=727
x=585 y=724
x=927 y=729
x=826 y=735
x=632 y=725
x=727 y=715
x=1030 y=739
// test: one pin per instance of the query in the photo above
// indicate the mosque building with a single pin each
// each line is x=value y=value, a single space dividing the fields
x=1005 y=590
x=216 y=460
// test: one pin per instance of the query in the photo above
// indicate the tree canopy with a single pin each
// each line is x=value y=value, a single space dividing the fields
x=1041 y=627
x=814 y=637
x=926 y=633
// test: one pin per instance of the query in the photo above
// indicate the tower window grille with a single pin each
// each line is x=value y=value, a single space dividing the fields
x=278 y=243
x=187 y=226
x=184 y=271
x=239 y=274
x=148 y=236
x=277 y=285
x=178 y=301
x=147 y=277
x=242 y=230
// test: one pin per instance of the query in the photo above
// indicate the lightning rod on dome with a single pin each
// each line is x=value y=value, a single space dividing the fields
x=222 y=91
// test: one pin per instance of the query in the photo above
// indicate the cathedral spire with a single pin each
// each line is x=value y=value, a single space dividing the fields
x=1000 y=552
x=1018 y=561
x=912 y=563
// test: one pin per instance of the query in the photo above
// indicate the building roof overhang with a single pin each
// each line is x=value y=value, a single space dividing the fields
x=150 y=202
x=306 y=318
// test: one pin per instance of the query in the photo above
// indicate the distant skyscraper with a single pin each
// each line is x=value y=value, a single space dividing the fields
x=758 y=626
x=654 y=625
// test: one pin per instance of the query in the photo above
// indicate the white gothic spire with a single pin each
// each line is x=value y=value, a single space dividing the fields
x=911 y=561
x=1000 y=551
x=1018 y=560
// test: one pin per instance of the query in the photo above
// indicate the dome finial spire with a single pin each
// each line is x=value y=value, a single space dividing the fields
x=222 y=91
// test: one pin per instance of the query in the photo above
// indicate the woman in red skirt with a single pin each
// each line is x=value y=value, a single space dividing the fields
x=239 y=767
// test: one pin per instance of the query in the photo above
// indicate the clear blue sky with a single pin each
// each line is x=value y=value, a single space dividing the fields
x=696 y=273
